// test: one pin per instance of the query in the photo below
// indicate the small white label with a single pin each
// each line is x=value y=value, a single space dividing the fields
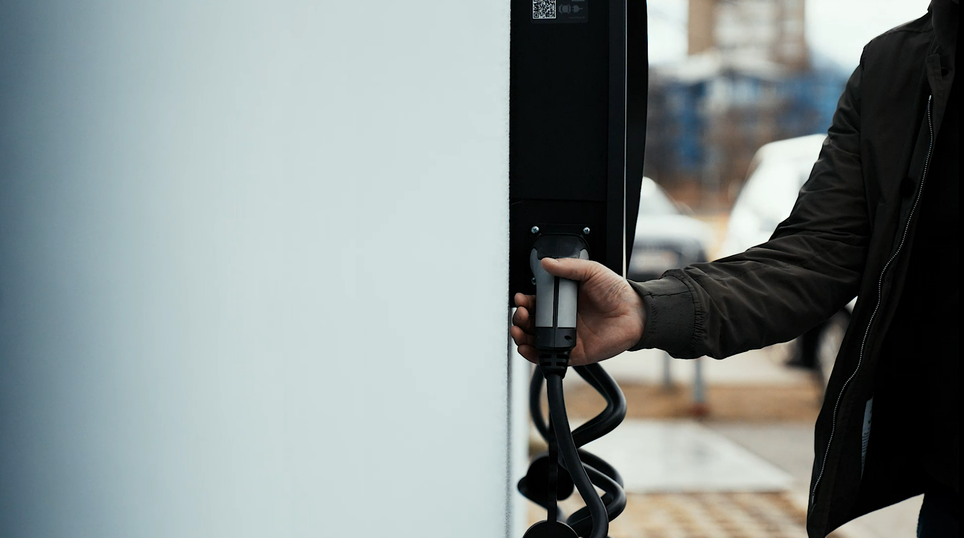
x=865 y=433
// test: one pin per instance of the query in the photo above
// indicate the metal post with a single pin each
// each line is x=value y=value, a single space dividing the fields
x=667 y=373
x=699 y=390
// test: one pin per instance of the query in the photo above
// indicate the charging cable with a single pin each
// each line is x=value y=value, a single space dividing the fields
x=553 y=475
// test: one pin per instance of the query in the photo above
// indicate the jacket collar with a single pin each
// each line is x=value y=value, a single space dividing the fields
x=944 y=16
x=939 y=64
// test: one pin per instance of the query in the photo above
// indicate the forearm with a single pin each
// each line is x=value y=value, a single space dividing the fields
x=769 y=294
x=810 y=268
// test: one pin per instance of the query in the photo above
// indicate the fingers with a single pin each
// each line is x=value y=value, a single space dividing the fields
x=524 y=342
x=523 y=314
x=523 y=325
x=523 y=319
x=525 y=301
x=571 y=268
x=520 y=337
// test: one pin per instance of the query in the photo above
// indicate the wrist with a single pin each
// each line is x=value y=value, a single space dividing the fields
x=669 y=312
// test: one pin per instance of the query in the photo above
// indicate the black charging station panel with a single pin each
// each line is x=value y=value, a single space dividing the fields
x=577 y=126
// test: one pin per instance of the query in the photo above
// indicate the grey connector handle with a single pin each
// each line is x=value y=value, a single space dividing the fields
x=556 y=298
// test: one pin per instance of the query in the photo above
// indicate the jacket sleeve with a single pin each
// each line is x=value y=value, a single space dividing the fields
x=809 y=269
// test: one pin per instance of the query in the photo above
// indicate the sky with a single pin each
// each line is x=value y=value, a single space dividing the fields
x=836 y=30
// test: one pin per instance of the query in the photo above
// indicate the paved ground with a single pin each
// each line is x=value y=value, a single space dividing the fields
x=709 y=515
x=752 y=401
x=787 y=445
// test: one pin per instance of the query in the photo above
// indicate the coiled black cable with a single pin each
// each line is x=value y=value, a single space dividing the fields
x=581 y=467
x=569 y=456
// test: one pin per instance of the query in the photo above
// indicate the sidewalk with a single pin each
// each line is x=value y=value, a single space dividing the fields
x=740 y=470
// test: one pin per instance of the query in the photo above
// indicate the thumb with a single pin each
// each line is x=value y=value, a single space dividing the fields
x=571 y=268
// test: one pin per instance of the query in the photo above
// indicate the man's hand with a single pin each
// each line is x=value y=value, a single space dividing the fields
x=610 y=313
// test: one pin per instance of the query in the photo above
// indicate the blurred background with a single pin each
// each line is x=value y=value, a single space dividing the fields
x=728 y=76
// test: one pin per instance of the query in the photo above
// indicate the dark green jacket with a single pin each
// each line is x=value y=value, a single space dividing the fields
x=849 y=234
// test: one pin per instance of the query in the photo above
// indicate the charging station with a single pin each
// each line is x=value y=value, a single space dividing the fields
x=577 y=126
x=577 y=134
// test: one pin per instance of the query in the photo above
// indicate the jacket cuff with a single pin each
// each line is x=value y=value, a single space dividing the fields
x=670 y=315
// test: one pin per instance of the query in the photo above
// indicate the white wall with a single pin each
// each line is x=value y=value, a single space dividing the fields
x=253 y=269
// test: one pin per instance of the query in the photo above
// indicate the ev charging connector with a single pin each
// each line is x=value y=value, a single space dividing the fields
x=555 y=323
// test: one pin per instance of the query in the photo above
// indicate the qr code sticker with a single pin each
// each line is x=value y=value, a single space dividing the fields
x=543 y=10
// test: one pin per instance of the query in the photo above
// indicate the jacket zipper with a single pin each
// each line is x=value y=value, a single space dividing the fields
x=880 y=288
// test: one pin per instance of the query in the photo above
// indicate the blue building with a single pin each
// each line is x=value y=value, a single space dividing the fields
x=709 y=114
